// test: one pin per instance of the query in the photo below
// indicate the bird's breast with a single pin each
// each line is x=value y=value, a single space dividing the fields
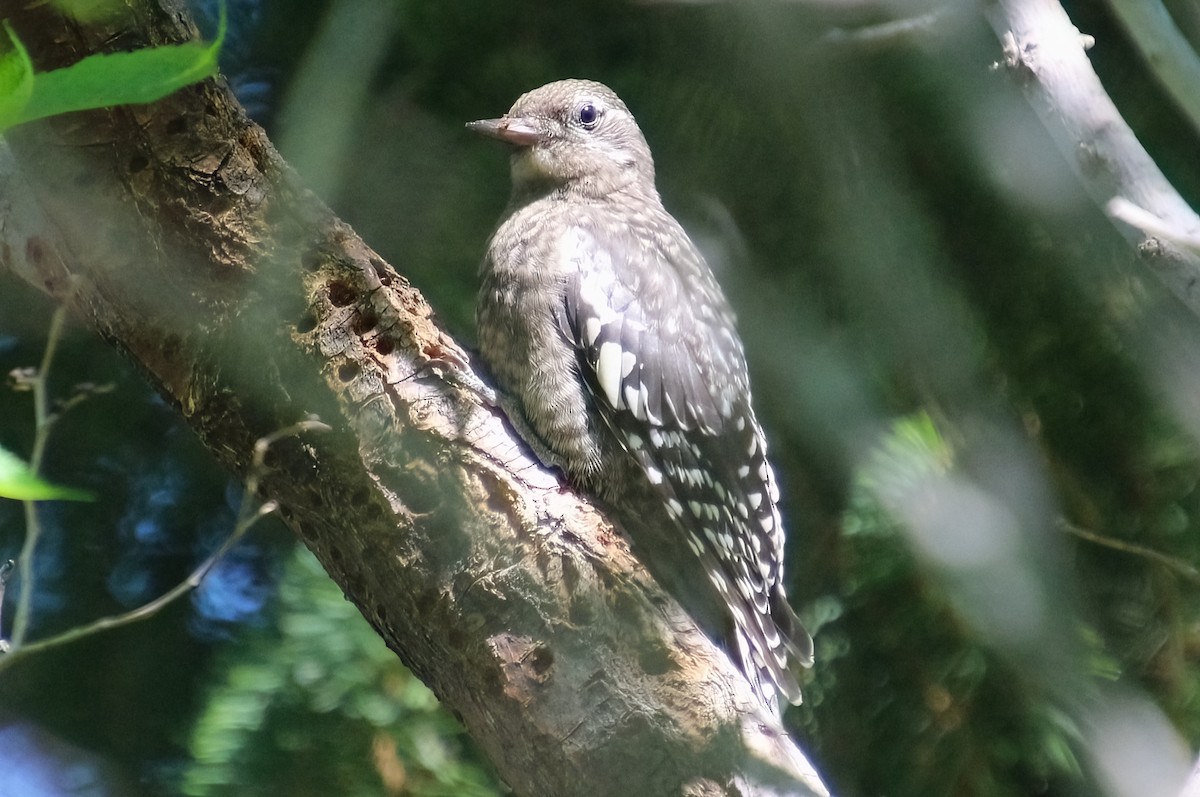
x=522 y=341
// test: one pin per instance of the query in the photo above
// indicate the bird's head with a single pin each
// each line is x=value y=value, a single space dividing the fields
x=573 y=135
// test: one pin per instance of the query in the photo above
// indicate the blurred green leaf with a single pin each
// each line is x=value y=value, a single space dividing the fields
x=913 y=449
x=17 y=481
x=100 y=81
x=16 y=79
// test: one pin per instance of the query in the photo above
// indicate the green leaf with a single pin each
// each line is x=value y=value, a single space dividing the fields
x=17 y=481
x=913 y=449
x=16 y=79
x=101 y=81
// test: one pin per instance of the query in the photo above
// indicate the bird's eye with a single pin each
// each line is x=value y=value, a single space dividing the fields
x=589 y=115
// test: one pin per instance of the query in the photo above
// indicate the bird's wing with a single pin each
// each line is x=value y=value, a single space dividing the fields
x=667 y=374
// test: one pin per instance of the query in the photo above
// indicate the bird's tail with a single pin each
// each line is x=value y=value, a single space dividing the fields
x=773 y=646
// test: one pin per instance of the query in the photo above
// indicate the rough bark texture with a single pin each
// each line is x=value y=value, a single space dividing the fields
x=178 y=232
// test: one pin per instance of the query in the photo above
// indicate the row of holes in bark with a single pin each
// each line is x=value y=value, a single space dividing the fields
x=341 y=295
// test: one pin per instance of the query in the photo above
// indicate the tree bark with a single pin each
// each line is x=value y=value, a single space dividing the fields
x=177 y=231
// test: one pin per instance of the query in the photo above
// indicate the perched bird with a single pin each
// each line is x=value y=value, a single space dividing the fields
x=601 y=320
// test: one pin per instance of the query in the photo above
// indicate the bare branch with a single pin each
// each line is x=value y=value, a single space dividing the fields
x=1045 y=53
x=33 y=527
x=248 y=515
x=1170 y=562
x=144 y=611
x=1124 y=210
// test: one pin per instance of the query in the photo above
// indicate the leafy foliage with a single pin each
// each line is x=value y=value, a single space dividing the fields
x=903 y=680
x=316 y=704
x=98 y=81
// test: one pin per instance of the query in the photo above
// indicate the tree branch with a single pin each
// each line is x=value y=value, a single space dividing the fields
x=1046 y=54
x=189 y=244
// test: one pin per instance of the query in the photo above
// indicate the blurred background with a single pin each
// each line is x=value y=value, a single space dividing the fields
x=983 y=407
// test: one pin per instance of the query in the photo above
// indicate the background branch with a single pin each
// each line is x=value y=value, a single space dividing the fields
x=1046 y=54
x=43 y=422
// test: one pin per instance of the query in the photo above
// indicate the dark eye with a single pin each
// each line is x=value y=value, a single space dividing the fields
x=588 y=115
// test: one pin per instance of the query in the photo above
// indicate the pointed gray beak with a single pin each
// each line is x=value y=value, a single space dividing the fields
x=517 y=131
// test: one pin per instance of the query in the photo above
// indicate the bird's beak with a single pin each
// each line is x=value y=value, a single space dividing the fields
x=513 y=130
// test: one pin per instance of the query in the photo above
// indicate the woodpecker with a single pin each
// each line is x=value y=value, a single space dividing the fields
x=600 y=319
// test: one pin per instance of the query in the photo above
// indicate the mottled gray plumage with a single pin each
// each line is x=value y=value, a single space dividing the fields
x=601 y=319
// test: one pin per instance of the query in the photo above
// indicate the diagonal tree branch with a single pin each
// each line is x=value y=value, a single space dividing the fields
x=1047 y=56
x=179 y=233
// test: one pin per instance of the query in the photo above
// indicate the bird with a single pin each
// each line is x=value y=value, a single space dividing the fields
x=601 y=322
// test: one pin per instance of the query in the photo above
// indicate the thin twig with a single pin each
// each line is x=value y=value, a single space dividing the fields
x=247 y=517
x=1122 y=209
x=33 y=529
x=146 y=610
x=888 y=33
x=6 y=570
x=1171 y=563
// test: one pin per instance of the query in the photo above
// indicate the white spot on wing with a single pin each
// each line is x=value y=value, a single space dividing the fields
x=608 y=371
x=591 y=329
x=631 y=401
x=628 y=360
